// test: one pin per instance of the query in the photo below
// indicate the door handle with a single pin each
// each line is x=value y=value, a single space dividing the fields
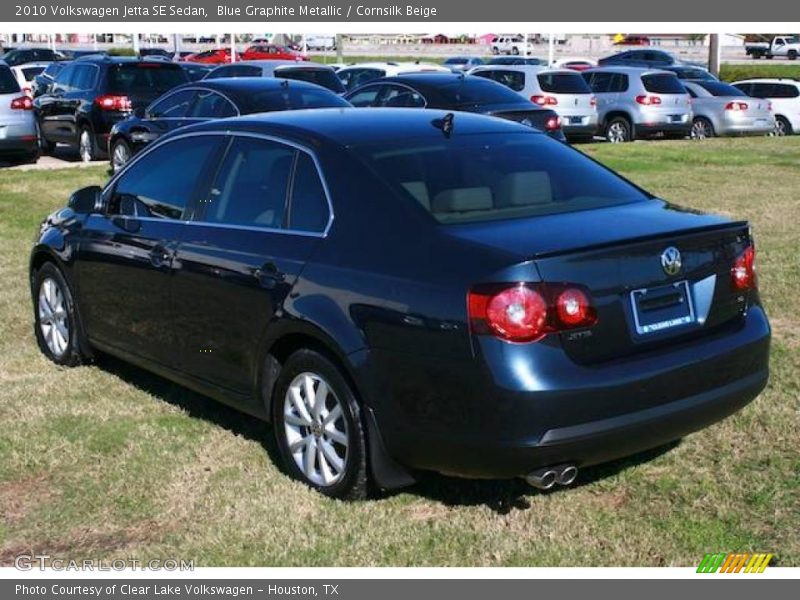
x=268 y=275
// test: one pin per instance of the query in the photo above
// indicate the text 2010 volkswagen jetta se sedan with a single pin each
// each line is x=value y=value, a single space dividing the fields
x=402 y=289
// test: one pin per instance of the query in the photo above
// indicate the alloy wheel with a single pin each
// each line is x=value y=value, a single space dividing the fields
x=85 y=144
x=617 y=133
x=53 y=317
x=700 y=130
x=780 y=128
x=316 y=429
x=120 y=156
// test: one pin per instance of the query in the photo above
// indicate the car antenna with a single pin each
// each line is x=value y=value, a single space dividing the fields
x=445 y=124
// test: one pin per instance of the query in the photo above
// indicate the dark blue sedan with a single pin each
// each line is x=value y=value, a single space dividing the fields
x=408 y=289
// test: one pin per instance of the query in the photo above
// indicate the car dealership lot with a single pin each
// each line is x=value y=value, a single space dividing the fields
x=109 y=461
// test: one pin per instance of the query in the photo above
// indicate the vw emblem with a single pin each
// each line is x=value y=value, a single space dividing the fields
x=671 y=261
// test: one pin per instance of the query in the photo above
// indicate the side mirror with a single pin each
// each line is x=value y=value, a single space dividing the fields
x=86 y=200
x=139 y=112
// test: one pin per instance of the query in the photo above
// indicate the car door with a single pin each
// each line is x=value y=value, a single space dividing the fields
x=126 y=254
x=601 y=83
x=49 y=110
x=241 y=256
x=166 y=114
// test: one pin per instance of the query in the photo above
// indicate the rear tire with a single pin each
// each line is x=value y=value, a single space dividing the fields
x=619 y=130
x=702 y=129
x=782 y=126
x=318 y=427
x=87 y=146
x=56 y=323
x=120 y=154
x=792 y=55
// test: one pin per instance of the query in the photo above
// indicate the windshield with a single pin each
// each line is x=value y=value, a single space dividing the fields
x=488 y=177
x=324 y=77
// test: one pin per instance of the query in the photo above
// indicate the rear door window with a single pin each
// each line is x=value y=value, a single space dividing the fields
x=252 y=186
x=173 y=106
x=211 y=105
x=398 y=96
x=84 y=78
x=600 y=82
x=563 y=83
x=661 y=83
x=309 y=204
x=514 y=80
x=366 y=97
x=619 y=82
x=780 y=90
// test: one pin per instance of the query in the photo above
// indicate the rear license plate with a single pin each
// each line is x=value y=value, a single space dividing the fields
x=661 y=308
x=575 y=120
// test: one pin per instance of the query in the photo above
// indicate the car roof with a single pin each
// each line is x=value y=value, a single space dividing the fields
x=768 y=80
x=355 y=126
x=281 y=63
x=246 y=85
x=638 y=71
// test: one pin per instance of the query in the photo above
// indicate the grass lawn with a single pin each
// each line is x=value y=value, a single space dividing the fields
x=107 y=461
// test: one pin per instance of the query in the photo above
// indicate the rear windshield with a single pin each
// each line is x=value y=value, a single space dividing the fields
x=563 y=83
x=324 y=77
x=474 y=90
x=717 y=88
x=514 y=80
x=8 y=83
x=292 y=98
x=495 y=176
x=663 y=84
x=144 y=78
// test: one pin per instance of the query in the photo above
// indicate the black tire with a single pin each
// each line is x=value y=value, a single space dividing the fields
x=619 y=130
x=782 y=126
x=119 y=145
x=94 y=151
x=515 y=51
x=495 y=50
x=353 y=481
x=72 y=354
x=792 y=55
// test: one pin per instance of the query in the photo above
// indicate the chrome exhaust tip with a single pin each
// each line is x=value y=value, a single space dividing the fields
x=567 y=475
x=542 y=479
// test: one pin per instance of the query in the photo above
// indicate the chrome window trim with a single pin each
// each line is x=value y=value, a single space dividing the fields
x=264 y=136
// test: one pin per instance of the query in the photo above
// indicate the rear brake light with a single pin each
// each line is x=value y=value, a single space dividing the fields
x=592 y=101
x=22 y=103
x=544 y=100
x=648 y=100
x=736 y=106
x=743 y=273
x=553 y=124
x=527 y=312
x=112 y=102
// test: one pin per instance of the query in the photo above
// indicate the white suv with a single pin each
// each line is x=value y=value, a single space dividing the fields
x=508 y=44
x=785 y=97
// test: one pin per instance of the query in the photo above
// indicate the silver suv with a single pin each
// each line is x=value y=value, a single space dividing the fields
x=562 y=90
x=634 y=103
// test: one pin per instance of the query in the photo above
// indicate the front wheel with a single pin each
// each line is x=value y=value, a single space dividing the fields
x=318 y=426
x=120 y=154
x=56 y=319
x=86 y=145
x=702 y=129
x=619 y=130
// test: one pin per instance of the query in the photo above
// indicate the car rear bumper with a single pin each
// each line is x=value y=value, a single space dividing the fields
x=654 y=128
x=26 y=144
x=573 y=131
x=746 y=126
x=513 y=419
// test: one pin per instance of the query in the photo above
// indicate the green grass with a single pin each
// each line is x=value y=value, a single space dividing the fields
x=758 y=68
x=109 y=461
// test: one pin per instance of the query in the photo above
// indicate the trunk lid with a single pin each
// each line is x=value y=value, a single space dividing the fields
x=616 y=254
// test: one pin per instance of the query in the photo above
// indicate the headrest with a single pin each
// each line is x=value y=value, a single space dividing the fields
x=463 y=199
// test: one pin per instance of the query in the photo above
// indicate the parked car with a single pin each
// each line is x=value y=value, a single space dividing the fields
x=563 y=91
x=633 y=103
x=782 y=46
x=90 y=95
x=459 y=64
x=640 y=58
x=212 y=99
x=575 y=64
x=720 y=109
x=633 y=40
x=399 y=290
x=21 y=56
x=272 y=52
x=155 y=52
x=320 y=42
x=353 y=76
x=515 y=60
x=784 y=94
x=41 y=83
x=509 y=44
x=315 y=73
x=25 y=74
x=76 y=54
x=449 y=91
x=220 y=56
x=690 y=73
x=196 y=71
x=18 y=139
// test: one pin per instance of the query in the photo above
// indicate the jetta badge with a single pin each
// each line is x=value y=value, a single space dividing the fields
x=671 y=261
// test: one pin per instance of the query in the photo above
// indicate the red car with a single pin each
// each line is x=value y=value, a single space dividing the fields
x=271 y=52
x=220 y=56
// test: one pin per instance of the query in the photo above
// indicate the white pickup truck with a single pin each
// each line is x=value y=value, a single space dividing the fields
x=782 y=46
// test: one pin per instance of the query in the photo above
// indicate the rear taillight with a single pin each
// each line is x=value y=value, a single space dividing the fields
x=592 y=101
x=113 y=102
x=736 y=106
x=553 y=123
x=544 y=100
x=524 y=312
x=22 y=103
x=743 y=273
x=648 y=100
